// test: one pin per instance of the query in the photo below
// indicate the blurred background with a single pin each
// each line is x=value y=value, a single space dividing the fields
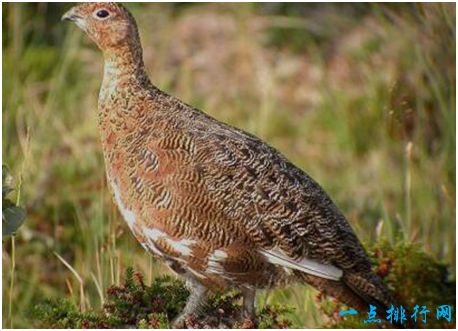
x=360 y=96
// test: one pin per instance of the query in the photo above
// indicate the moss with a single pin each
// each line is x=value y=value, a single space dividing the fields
x=134 y=304
x=63 y=314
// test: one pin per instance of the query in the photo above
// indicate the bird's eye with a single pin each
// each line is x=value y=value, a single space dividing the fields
x=102 y=13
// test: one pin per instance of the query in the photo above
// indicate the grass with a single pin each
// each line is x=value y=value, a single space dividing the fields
x=362 y=99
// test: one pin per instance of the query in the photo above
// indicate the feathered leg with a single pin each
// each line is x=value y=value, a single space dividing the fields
x=248 y=309
x=195 y=304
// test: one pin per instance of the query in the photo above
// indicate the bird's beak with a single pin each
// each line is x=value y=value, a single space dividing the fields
x=71 y=15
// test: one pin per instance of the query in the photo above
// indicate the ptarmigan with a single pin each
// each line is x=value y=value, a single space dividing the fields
x=219 y=206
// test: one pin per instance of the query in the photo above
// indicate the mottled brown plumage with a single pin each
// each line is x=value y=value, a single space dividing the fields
x=221 y=207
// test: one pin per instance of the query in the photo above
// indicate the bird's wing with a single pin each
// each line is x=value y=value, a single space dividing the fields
x=230 y=186
x=285 y=212
x=220 y=183
x=288 y=216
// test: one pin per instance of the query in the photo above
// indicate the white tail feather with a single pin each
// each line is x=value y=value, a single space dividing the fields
x=275 y=256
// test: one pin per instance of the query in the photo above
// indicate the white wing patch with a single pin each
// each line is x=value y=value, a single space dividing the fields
x=275 y=256
x=214 y=262
x=153 y=234
x=182 y=246
x=218 y=255
x=150 y=246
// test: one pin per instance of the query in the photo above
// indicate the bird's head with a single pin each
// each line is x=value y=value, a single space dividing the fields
x=108 y=24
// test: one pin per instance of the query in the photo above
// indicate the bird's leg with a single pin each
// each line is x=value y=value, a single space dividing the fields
x=248 y=309
x=195 y=304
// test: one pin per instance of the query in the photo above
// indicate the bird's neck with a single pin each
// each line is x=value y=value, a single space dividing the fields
x=123 y=67
x=124 y=82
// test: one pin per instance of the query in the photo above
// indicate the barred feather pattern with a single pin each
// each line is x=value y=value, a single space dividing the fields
x=208 y=198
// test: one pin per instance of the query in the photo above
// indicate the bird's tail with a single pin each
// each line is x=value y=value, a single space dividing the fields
x=337 y=289
x=357 y=291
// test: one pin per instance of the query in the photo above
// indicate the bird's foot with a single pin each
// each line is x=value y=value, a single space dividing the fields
x=181 y=322
x=248 y=324
x=247 y=321
x=194 y=306
x=248 y=312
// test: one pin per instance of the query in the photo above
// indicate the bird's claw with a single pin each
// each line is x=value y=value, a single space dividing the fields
x=180 y=322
